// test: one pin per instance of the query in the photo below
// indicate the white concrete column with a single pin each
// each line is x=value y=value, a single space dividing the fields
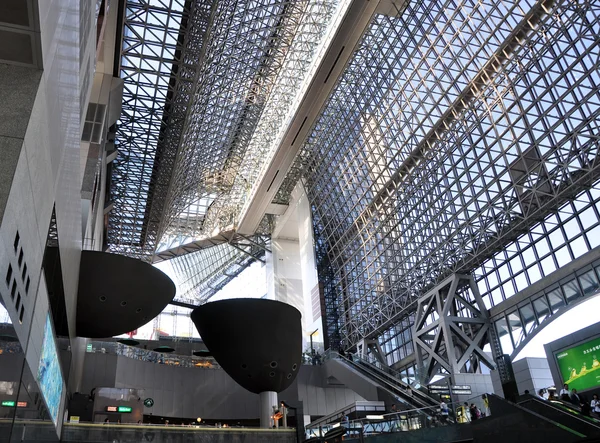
x=291 y=270
x=268 y=399
x=308 y=265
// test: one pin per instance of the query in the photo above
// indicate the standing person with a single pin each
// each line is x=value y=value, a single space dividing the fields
x=564 y=393
x=595 y=406
x=586 y=408
x=575 y=398
x=463 y=413
x=541 y=394
x=474 y=412
x=486 y=405
x=394 y=410
x=444 y=412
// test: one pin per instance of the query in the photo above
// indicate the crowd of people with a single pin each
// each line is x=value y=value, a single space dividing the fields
x=589 y=408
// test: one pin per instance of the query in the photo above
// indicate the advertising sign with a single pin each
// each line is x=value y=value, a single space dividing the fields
x=579 y=365
x=49 y=374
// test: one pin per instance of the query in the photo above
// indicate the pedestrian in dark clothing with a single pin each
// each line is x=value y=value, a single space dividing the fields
x=474 y=412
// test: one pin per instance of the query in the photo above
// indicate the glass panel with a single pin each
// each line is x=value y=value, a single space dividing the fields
x=504 y=336
x=556 y=300
x=572 y=290
x=541 y=308
x=589 y=282
x=516 y=329
x=528 y=318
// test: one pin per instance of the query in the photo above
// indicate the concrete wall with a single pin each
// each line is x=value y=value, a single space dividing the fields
x=480 y=384
x=40 y=135
x=531 y=374
x=208 y=393
x=40 y=141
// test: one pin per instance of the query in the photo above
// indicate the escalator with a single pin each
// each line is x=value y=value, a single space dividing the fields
x=391 y=380
x=376 y=383
x=562 y=413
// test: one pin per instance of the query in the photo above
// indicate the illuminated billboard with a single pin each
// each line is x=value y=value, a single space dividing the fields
x=49 y=375
x=579 y=365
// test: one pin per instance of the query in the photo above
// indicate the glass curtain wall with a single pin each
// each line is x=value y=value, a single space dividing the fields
x=460 y=138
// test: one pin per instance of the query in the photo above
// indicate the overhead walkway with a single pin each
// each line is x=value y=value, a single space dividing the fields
x=563 y=414
x=379 y=383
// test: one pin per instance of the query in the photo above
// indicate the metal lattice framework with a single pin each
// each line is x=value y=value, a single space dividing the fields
x=199 y=282
x=452 y=132
x=158 y=63
x=206 y=85
x=254 y=65
x=451 y=329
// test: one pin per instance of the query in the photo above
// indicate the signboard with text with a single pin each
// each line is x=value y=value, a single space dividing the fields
x=579 y=365
x=119 y=409
x=456 y=389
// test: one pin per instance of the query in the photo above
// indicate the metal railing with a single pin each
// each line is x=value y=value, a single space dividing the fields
x=388 y=379
x=184 y=361
x=402 y=421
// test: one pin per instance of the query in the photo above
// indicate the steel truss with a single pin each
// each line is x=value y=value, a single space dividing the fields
x=160 y=48
x=203 y=273
x=255 y=57
x=207 y=84
x=451 y=329
x=452 y=132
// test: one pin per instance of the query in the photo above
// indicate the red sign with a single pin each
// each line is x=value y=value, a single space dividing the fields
x=21 y=404
x=111 y=409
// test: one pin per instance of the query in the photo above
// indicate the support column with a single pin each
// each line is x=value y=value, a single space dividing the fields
x=451 y=328
x=268 y=399
x=291 y=271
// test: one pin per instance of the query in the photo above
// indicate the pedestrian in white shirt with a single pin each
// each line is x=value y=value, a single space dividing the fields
x=595 y=406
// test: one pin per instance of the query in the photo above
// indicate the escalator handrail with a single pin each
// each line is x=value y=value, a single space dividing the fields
x=423 y=396
x=390 y=386
x=574 y=413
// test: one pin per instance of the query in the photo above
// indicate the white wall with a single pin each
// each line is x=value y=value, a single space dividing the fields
x=531 y=374
x=480 y=384
x=207 y=393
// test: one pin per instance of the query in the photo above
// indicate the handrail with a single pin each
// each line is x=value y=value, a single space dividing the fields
x=391 y=422
x=400 y=382
x=560 y=406
x=116 y=348
x=407 y=420
x=394 y=386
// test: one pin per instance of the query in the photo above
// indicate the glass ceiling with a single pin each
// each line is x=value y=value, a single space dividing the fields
x=207 y=85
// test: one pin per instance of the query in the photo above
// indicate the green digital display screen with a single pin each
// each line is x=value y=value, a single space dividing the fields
x=580 y=365
x=124 y=409
x=8 y=403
